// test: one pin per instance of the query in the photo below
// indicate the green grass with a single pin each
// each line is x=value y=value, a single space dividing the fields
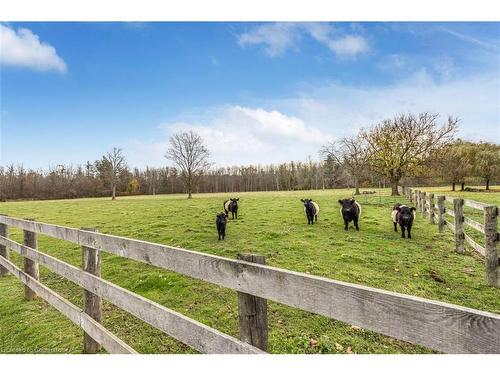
x=272 y=224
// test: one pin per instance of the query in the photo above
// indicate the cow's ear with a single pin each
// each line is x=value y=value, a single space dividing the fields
x=398 y=208
x=302 y=200
x=353 y=200
x=340 y=201
x=237 y=199
x=413 y=209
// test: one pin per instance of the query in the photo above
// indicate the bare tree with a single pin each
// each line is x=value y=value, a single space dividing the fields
x=352 y=154
x=188 y=151
x=402 y=146
x=111 y=167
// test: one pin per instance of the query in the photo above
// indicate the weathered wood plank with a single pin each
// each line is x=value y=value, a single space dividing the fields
x=490 y=246
x=448 y=211
x=474 y=204
x=4 y=251
x=474 y=224
x=30 y=267
x=393 y=314
x=253 y=312
x=458 y=211
x=441 y=211
x=109 y=341
x=192 y=333
x=474 y=244
x=91 y=263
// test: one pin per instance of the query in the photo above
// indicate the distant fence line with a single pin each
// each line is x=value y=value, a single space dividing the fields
x=437 y=325
x=426 y=205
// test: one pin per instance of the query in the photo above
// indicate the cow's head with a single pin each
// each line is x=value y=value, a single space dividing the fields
x=234 y=200
x=406 y=213
x=221 y=217
x=307 y=202
x=347 y=205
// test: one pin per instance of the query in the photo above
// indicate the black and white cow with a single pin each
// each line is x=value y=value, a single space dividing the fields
x=231 y=205
x=404 y=216
x=220 y=223
x=311 y=209
x=350 y=211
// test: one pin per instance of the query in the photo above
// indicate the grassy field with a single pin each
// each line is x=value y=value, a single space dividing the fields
x=272 y=224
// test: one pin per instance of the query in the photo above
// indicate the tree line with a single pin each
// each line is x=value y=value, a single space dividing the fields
x=405 y=150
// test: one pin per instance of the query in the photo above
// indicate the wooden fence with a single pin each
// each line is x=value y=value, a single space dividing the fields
x=440 y=326
x=431 y=206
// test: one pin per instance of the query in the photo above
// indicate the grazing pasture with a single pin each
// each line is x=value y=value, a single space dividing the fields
x=270 y=224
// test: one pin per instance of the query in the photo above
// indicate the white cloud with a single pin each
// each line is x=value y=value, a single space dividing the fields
x=298 y=126
x=279 y=37
x=242 y=135
x=347 y=108
x=349 y=45
x=24 y=49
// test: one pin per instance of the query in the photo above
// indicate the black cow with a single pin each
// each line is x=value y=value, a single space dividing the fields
x=220 y=222
x=311 y=209
x=350 y=211
x=404 y=216
x=231 y=205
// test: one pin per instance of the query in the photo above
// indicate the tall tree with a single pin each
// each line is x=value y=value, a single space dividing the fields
x=352 y=154
x=453 y=163
x=487 y=165
x=111 y=167
x=188 y=151
x=404 y=145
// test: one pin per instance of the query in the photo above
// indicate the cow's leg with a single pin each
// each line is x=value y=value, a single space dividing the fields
x=409 y=231
x=395 y=227
x=402 y=231
x=236 y=214
x=346 y=224
x=356 y=223
x=316 y=217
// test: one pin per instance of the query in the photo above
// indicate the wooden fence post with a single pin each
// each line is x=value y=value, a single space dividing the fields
x=30 y=267
x=431 y=208
x=253 y=312
x=408 y=194
x=458 y=210
x=422 y=202
x=4 y=250
x=490 y=248
x=418 y=195
x=441 y=199
x=91 y=259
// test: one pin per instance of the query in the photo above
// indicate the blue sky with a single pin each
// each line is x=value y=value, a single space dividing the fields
x=257 y=92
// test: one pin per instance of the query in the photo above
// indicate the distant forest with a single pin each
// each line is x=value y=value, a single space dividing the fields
x=66 y=181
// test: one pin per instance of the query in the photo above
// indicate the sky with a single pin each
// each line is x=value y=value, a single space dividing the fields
x=256 y=92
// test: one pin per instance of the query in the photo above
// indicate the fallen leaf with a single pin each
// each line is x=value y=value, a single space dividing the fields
x=396 y=269
x=338 y=347
x=313 y=343
x=349 y=350
x=415 y=274
x=357 y=328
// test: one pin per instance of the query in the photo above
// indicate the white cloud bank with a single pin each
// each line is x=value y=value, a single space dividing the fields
x=24 y=49
x=279 y=37
x=242 y=135
x=296 y=128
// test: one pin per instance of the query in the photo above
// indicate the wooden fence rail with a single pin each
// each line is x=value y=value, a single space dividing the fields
x=488 y=228
x=440 y=326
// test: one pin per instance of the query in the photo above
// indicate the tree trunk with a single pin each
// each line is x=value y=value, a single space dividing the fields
x=357 y=190
x=394 y=186
x=113 y=197
x=462 y=186
x=488 y=184
x=453 y=186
